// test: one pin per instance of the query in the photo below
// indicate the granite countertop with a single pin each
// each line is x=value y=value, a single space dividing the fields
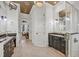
x=6 y=39
x=8 y=34
x=64 y=33
x=57 y=35
x=61 y=34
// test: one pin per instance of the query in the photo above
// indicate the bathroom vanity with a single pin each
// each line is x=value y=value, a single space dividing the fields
x=58 y=42
x=67 y=43
x=7 y=45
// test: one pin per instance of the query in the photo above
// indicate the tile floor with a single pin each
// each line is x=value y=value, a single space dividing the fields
x=27 y=49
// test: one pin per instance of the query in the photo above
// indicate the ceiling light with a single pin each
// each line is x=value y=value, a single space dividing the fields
x=39 y=3
x=55 y=2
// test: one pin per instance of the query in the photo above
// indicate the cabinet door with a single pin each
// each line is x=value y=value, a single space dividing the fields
x=6 y=49
x=56 y=43
x=9 y=48
x=62 y=45
x=50 y=40
x=53 y=41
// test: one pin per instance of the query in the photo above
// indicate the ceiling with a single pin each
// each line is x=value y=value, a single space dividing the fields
x=25 y=6
x=75 y=4
x=52 y=2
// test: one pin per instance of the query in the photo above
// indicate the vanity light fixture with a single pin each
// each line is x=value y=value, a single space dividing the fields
x=3 y=18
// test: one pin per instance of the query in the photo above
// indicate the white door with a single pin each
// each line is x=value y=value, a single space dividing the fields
x=74 y=45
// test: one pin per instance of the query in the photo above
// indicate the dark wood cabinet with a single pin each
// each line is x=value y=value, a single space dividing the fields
x=50 y=41
x=58 y=43
x=9 y=48
x=62 y=45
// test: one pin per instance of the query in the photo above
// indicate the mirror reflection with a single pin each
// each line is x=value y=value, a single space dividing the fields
x=64 y=20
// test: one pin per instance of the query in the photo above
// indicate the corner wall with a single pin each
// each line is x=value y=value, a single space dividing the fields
x=13 y=22
x=42 y=19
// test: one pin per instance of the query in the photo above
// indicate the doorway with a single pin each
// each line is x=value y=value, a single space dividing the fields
x=25 y=28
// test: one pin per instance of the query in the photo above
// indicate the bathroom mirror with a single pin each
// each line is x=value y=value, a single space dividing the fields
x=62 y=15
x=64 y=19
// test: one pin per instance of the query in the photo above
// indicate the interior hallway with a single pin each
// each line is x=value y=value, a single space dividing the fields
x=27 y=49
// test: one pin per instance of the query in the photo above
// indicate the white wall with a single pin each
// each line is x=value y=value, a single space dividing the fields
x=42 y=24
x=49 y=13
x=38 y=26
x=2 y=21
x=11 y=25
x=13 y=22
x=12 y=19
x=74 y=3
x=49 y=19
x=30 y=28
x=2 y=9
x=2 y=26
